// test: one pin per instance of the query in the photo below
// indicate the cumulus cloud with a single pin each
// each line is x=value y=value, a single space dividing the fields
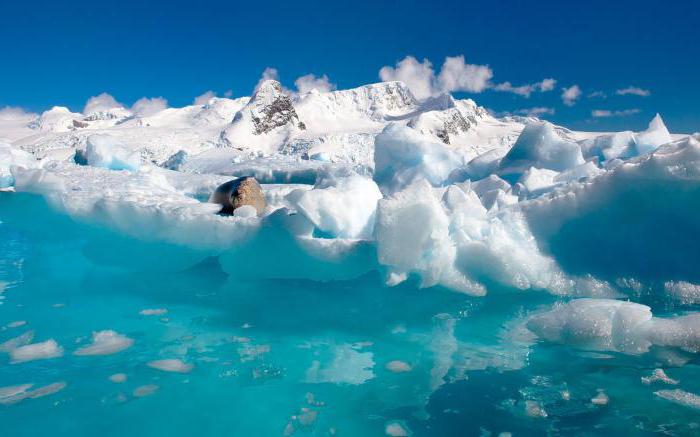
x=310 y=82
x=457 y=75
x=635 y=91
x=604 y=113
x=547 y=84
x=13 y=113
x=570 y=95
x=418 y=76
x=269 y=73
x=148 y=106
x=526 y=90
x=204 y=98
x=102 y=102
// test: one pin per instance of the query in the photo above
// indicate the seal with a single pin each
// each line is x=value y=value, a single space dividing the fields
x=238 y=192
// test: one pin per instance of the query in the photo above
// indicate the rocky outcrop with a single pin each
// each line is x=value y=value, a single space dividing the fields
x=271 y=108
x=268 y=109
x=448 y=123
x=239 y=192
x=266 y=122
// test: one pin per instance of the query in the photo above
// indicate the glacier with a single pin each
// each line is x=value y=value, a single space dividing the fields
x=421 y=267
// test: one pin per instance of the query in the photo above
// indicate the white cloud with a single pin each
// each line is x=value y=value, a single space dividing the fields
x=537 y=111
x=102 y=102
x=419 y=77
x=454 y=75
x=547 y=84
x=604 y=113
x=635 y=91
x=13 y=113
x=525 y=90
x=204 y=98
x=457 y=75
x=570 y=95
x=269 y=73
x=597 y=95
x=310 y=82
x=148 y=106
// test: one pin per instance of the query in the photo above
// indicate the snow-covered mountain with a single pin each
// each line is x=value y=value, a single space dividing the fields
x=265 y=122
x=338 y=126
x=287 y=133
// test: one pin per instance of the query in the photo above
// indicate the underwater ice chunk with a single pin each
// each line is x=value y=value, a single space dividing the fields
x=105 y=343
x=680 y=397
x=683 y=291
x=396 y=429
x=153 y=312
x=397 y=366
x=659 y=375
x=171 y=365
x=118 y=378
x=145 y=390
x=16 y=324
x=20 y=393
x=36 y=351
x=600 y=324
x=613 y=325
x=347 y=366
x=16 y=342
x=534 y=409
x=600 y=399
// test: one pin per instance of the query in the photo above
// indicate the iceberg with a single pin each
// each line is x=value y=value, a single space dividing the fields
x=419 y=267
x=402 y=156
x=13 y=157
x=107 y=151
x=539 y=145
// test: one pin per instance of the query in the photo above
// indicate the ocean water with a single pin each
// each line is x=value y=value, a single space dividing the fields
x=294 y=357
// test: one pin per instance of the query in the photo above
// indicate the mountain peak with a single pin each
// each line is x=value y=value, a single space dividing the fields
x=268 y=91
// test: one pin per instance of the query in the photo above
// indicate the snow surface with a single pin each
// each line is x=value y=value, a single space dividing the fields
x=437 y=188
x=372 y=179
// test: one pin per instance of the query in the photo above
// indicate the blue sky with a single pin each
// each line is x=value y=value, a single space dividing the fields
x=64 y=52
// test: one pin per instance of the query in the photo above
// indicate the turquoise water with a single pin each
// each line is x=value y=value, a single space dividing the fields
x=275 y=357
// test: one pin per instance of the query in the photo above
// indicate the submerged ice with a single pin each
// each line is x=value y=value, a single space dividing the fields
x=561 y=246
